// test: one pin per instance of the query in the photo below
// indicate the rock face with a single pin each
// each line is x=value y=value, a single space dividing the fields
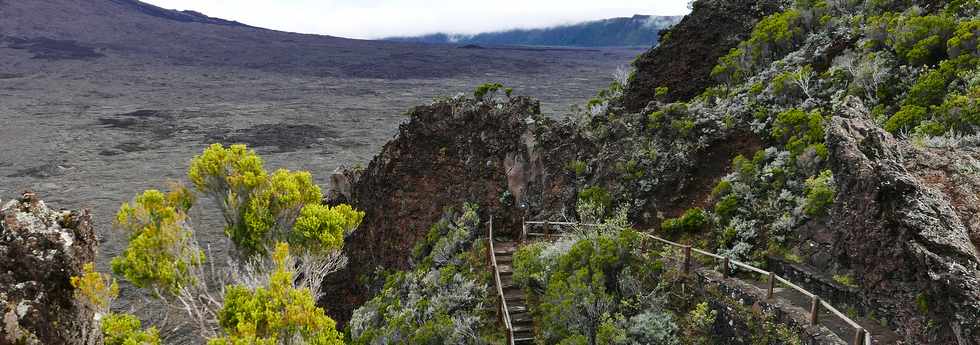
x=910 y=249
x=40 y=249
x=450 y=152
x=686 y=55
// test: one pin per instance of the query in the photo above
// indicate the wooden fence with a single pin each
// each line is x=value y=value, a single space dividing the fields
x=861 y=336
x=504 y=313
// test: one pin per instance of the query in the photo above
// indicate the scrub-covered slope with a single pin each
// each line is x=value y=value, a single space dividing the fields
x=838 y=137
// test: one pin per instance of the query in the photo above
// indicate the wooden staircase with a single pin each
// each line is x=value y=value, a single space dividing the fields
x=523 y=325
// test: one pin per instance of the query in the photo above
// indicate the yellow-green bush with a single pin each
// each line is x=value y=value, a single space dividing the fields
x=820 y=193
x=692 y=220
x=94 y=288
x=160 y=252
x=125 y=329
x=274 y=313
x=321 y=228
x=259 y=208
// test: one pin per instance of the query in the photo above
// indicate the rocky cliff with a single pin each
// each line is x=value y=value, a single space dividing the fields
x=452 y=151
x=712 y=28
x=778 y=149
x=40 y=250
x=903 y=238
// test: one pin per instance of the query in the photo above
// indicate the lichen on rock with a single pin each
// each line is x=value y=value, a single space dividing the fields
x=40 y=250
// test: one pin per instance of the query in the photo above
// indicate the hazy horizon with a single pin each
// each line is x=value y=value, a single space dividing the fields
x=373 y=19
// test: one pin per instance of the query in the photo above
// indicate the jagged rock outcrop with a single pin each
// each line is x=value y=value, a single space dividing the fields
x=40 y=250
x=910 y=250
x=452 y=151
x=954 y=172
x=684 y=59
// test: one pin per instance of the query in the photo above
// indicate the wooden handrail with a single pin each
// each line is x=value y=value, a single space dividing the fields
x=505 y=313
x=861 y=335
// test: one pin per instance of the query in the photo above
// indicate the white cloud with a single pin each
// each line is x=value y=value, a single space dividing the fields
x=382 y=18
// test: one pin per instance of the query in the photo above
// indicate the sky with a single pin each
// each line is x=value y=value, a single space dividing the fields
x=370 y=19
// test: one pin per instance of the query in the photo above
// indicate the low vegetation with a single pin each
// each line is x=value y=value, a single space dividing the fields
x=443 y=299
x=284 y=244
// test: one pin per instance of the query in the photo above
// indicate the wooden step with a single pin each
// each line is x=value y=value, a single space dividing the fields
x=520 y=317
x=504 y=247
x=517 y=308
x=523 y=328
x=523 y=339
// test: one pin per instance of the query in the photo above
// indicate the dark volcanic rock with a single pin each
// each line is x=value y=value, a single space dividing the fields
x=450 y=152
x=684 y=59
x=911 y=251
x=52 y=49
x=40 y=249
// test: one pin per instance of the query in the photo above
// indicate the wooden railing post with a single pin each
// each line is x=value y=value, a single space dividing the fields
x=547 y=230
x=490 y=246
x=858 y=337
x=814 y=309
x=500 y=312
x=772 y=285
x=724 y=268
x=523 y=231
x=687 y=260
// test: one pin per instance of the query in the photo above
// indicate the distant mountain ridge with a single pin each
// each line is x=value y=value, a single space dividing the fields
x=638 y=30
x=180 y=16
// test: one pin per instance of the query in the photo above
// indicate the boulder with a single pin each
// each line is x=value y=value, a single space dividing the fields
x=40 y=250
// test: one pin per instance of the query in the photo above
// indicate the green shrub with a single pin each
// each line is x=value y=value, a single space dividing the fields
x=722 y=188
x=929 y=129
x=845 y=280
x=692 y=220
x=726 y=206
x=487 y=89
x=655 y=118
x=906 y=118
x=529 y=270
x=275 y=313
x=799 y=130
x=965 y=40
x=260 y=209
x=597 y=196
x=583 y=279
x=441 y=301
x=629 y=170
x=820 y=193
x=929 y=89
x=700 y=323
x=772 y=36
x=161 y=250
x=95 y=289
x=321 y=228
x=922 y=303
x=922 y=39
x=682 y=126
x=577 y=167
x=661 y=92
x=744 y=167
x=125 y=329
x=960 y=112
